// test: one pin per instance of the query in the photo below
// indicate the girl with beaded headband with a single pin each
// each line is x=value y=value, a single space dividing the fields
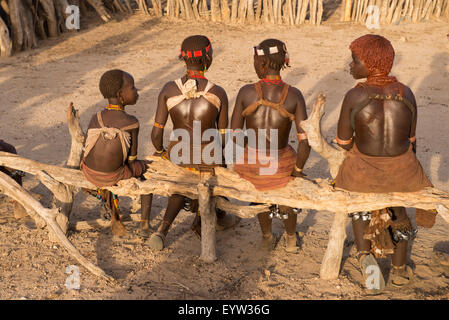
x=254 y=109
x=187 y=99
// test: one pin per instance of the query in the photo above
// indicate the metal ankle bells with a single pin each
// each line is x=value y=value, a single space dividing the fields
x=276 y=213
x=364 y=215
x=399 y=235
x=17 y=174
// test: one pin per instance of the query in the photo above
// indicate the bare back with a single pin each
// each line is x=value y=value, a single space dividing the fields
x=184 y=113
x=107 y=155
x=265 y=117
x=382 y=126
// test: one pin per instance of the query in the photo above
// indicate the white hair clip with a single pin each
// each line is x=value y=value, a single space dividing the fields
x=273 y=50
x=258 y=52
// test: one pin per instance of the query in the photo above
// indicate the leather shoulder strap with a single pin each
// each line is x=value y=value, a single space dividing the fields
x=258 y=90
x=209 y=86
x=100 y=120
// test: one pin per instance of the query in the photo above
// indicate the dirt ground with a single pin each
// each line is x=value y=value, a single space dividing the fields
x=37 y=86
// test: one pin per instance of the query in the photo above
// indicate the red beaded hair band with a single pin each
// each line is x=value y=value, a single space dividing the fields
x=195 y=54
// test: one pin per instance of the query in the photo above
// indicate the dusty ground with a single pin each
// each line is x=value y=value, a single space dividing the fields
x=37 y=86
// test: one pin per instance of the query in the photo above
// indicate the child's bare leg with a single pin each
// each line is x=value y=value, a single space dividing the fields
x=145 y=205
x=400 y=273
x=117 y=227
x=175 y=204
x=360 y=221
x=290 y=230
x=359 y=226
x=265 y=226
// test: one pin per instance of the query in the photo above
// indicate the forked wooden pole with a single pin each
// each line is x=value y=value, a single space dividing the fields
x=330 y=266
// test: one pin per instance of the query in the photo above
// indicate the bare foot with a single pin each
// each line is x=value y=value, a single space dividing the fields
x=118 y=229
x=290 y=244
x=269 y=242
x=401 y=276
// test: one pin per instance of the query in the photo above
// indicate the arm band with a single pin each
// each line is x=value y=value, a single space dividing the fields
x=343 y=142
x=302 y=136
x=160 y=151
x=412 y=139
x=222 y=131
x=158 y=125
x=132 y=158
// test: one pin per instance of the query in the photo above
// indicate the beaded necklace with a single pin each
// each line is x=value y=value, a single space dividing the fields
x=272 y=79
x=198 y=74
x=115 y=107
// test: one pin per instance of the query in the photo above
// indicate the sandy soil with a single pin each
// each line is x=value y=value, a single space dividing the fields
x=37 y=86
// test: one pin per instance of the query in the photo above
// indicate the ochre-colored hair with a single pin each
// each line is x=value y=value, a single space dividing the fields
x=375 y=51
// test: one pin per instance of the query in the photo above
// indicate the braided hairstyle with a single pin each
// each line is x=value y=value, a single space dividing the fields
x=276 y=61
x=375 y=51
x=111 y=82
x=196 y=43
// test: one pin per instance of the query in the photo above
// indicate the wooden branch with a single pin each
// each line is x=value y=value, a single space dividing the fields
x=214 y=10
x=241 y=211
x=5 y=6
x=347 y=15
x=298 y=11
x=5 y=40
x=330 y=266
x=206 y=205
x=398 y=12
x=319 y=17
x=390 y=11
x=101 y=10
x=234 y=11
x=305 y=4
x=12 y=189
x=225 y=11
x=425 y=9
x=258 y=10
x=50 y=16
x=165 y=178
x=63 y=199
x=242 y=11
x=438 y=7
x=334 y=156
x=250 y=11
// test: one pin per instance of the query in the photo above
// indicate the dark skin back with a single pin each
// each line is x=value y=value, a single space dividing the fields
x=383 y=127
x=183 y=114
x=107 y=156
x=268 y=118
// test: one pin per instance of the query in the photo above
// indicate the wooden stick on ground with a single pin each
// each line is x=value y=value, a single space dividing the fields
x=12 y=189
